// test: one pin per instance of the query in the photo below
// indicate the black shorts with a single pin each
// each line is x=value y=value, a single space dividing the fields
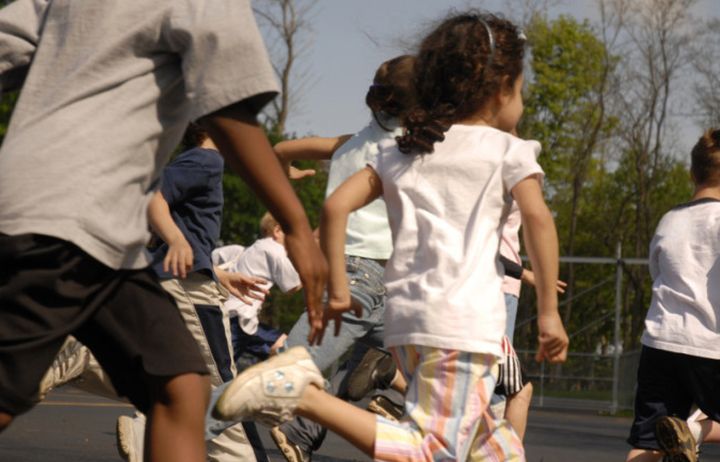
x=668 y=385
x=50 y=288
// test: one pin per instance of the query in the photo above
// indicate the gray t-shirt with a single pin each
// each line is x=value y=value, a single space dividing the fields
x=111 y=86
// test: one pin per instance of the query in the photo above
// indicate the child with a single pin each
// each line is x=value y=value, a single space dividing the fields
x=445 y=313
x=680 y=357
x=265 y=259
x=368 y=241
x=104 y=100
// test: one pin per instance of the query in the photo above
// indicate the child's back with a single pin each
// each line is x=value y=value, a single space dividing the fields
x=684 y=313
x=446 y=210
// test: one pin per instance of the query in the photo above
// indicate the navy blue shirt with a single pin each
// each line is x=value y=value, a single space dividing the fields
x=192 y=186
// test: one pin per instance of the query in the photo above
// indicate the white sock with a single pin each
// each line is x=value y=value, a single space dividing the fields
x=695 y=431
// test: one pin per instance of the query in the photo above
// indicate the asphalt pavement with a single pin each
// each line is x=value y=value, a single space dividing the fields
x=73 y=426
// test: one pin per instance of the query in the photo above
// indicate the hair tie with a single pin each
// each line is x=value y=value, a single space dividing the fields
x=491 y=39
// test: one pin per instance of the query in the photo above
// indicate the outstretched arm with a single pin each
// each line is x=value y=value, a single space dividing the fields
x=243 y=143
x=542 y=245
x=179 y=257
x=310 y=148
x=357 y=191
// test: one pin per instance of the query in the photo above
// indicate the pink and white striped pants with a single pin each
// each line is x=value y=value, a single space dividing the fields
x=448 y=412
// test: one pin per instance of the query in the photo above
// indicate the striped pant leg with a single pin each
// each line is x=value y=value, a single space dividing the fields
x=447 y=407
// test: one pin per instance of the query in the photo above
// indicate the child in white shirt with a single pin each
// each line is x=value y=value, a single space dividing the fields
x=448 y=186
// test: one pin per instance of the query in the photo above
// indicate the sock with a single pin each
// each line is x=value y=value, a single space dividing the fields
x=695 y=431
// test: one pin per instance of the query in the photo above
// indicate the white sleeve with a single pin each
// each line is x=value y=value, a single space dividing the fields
x=20 y=24
x=283 y=272
x=520 y=162
x=224 y=59
x=226 y=254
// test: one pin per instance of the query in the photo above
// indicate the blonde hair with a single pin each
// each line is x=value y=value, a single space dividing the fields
x=705 y=158
x=268 y=224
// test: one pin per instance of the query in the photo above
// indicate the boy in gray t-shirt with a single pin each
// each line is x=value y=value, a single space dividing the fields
x=126 y=78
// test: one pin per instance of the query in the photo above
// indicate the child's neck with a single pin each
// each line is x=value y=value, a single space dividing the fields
x=208 y=144
x=706 y=192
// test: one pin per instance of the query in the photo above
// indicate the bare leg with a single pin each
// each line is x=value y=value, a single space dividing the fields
x=5 y=420
x=176 y=421
x=398 y=383
x=710 y=431
x=516 y=409
x=356 y=425
x=643 y=455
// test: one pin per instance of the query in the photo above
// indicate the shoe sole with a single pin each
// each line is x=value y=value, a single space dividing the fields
x=124 y=434
x=675 y=439
x=223 y=409
x=375 y=408
x=286 y=448
x=359 y=384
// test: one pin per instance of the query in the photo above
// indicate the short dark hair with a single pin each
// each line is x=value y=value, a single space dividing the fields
x=194 y=136
x=392 y=92
x=705 y=159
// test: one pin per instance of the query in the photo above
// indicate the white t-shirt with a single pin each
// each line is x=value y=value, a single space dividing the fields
x=266 y=259
x=368 y=234
x=227 y=255
x=446 y=213
x=684 y=311
x=110 y=88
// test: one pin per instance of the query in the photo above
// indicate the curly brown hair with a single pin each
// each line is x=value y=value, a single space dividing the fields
x=392 y=92
x=194 y=136
x=705 y=159
x=461 y=64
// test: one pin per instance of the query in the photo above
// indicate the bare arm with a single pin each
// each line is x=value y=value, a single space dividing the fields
x=247 y=151
x=179 y=257
x=541 y=242
x=310 y=148
x=357 y=191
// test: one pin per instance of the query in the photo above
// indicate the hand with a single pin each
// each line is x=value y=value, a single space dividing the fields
x=244 y=287
x=299 y=174
x=552 y=339
x=312 y=267
x=339 y=302
x=179 y=257
x=528 y=277
x=279 y=343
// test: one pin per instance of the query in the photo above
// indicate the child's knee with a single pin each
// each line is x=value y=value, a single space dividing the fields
x=5 y=420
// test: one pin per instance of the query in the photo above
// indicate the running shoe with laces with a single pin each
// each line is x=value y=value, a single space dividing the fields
x=291 y=451
x=376 y=370
x=270 y=391
x=674 y=437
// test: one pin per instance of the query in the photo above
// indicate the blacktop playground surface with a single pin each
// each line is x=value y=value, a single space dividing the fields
x=73 y=426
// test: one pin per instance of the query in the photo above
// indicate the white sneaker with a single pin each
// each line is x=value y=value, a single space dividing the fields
x=130 y=433
x=269 y=391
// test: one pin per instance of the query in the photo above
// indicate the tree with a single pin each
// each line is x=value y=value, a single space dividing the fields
x=287 y=26
x=566 y=112
x=706 y=64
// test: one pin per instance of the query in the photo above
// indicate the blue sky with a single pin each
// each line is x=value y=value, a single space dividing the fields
x=350 y=38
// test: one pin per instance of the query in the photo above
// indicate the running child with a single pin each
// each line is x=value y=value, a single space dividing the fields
x=368 y=245
x=104 y=100
x=448 y=185
x=680 y=357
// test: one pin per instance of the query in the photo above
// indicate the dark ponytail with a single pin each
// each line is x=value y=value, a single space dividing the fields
x=460 y=65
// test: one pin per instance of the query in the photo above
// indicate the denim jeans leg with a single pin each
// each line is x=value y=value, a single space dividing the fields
x=366 y=288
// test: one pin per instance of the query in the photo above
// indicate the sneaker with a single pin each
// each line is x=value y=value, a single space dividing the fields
x=269 y=391
x=674 y=437
x=130 y=434
x=383 y=407
x=376 y=370
x=289 y=450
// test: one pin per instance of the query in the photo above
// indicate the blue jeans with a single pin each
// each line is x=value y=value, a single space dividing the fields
x=366 y=288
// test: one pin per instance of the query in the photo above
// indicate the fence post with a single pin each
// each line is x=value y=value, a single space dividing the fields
x=616 y=340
